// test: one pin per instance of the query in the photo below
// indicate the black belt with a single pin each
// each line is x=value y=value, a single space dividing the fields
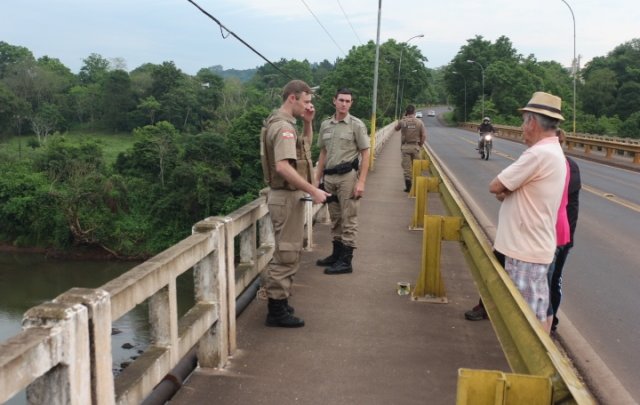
x=411 y=143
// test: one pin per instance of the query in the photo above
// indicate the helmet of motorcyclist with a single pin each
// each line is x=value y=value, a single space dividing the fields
x=486 y=120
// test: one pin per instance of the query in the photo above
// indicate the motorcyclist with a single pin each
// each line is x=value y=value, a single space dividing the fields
x=483 y=129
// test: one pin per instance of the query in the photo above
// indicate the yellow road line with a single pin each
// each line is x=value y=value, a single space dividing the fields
x=613 y=198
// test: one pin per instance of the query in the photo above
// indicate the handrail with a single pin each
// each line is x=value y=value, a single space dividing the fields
x=611 y=145
x=79 y=321
x=528 y=349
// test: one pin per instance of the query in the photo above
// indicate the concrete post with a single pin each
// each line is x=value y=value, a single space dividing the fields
x=68 y=382
x=98 y=304
x=212 y=284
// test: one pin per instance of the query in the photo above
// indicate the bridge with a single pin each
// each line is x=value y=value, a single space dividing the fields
x=363 y=342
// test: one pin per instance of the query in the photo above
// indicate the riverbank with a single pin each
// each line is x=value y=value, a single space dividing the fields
x=90 y=253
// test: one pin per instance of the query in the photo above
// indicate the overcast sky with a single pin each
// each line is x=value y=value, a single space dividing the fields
x=141 y=31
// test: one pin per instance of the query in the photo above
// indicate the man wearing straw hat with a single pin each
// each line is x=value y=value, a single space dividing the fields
x=531 y=190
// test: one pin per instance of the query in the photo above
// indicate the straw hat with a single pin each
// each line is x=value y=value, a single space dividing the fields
x=544 y=104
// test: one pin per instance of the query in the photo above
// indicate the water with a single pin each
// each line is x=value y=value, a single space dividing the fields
x=27 y=280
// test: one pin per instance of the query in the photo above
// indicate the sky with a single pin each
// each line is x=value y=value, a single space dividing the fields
x=156 y=31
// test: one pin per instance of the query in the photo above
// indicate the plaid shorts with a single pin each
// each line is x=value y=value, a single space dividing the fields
x=531 y=280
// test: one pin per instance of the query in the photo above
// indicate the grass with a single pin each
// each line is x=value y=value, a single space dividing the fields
x=111 y=144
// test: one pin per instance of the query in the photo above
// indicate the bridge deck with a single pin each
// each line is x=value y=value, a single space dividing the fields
x=362 y=343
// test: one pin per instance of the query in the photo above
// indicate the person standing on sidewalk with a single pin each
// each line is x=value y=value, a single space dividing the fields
x=413 y=135
x=572 y=207
x=287 y=169
x=530 y=190
x=344 y=164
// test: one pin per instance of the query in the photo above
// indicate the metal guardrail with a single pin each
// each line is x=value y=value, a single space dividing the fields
x=528 y=348
x=610 y=146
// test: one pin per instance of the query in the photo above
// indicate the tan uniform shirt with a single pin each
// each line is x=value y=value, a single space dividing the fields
x=343 y=139
x=411 y=129
x=281 y=142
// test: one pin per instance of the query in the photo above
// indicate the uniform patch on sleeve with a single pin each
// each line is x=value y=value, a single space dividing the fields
x=287 y=134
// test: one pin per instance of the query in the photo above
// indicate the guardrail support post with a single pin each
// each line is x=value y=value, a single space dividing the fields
x=419 y=166
x=496 y=387
x=430 y=286
x=424 y=185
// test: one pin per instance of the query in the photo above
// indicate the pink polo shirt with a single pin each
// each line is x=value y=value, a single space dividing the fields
x=527 y=220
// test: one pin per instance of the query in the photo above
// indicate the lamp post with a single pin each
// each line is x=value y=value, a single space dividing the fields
x=482 y=70
x=399 y=65
x=465 y=94
x=574 y=68
x=404 y=80
x=375 y=92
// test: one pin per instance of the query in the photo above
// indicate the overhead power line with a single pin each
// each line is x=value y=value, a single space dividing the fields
x=348 y=21
x=325 y=30
x=229 y=32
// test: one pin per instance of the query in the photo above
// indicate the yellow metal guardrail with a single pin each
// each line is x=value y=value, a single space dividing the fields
x=527 y=347
x=611 y=146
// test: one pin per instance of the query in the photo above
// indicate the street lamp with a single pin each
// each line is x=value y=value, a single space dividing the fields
x=465 y=94
x=404 y=80
x=574 y=68
x=482 y=70
x=399 y=65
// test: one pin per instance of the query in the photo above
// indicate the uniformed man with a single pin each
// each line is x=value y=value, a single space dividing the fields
x=344 y=163
x=286 y=164
x=414 y=134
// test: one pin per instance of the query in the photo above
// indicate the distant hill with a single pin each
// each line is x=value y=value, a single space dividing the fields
x=242 y=75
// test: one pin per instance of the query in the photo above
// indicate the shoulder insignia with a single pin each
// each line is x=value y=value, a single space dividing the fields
x=287 y=134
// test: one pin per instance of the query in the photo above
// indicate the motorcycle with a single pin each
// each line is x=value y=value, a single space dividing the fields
x=486 y=143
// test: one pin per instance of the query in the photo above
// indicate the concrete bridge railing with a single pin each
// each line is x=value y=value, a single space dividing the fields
x=63 y=355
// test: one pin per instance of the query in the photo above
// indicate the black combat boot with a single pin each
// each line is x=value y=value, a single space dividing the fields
x=279 y=316
x=290 y=309
x=335 y=255
x=343 y=265
x=407 y=185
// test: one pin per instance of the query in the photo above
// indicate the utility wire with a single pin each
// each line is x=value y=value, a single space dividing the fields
x=347 y=17
x=237 y=37
x=325 y=30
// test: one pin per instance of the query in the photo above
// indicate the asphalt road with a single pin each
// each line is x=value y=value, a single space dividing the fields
x=602 y=273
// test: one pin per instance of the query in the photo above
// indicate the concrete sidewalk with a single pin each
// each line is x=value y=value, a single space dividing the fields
x=362 y=343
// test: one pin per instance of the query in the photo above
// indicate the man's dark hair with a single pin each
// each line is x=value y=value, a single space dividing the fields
x=296 y=87
x=410 y=109
x=343 y=90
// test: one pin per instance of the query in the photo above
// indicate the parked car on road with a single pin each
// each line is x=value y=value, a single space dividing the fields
x=419 y=114
x=431 y=113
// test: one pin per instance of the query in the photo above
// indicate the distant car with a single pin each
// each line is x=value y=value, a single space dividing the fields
x=419 y=114
x=431 y=113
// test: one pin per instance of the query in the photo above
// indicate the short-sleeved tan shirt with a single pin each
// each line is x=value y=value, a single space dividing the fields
x=283 y=143
x=343 y=139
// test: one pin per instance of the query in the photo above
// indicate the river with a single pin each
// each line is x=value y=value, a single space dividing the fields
x=27 y=280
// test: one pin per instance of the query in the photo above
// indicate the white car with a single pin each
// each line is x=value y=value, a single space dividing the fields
x=419 y=114
x=431 y=113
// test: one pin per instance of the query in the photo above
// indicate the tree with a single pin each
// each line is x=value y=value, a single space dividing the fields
x=628 y=99
x=45 y=121
x=94 y=70
x=154 y=154
x=10 y=55
x=599 y=92
x=149 y=106
x=117 y=100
